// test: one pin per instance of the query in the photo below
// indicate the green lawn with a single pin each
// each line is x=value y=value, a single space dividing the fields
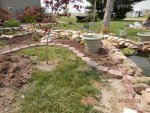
x=115 y=26
x=59 y=90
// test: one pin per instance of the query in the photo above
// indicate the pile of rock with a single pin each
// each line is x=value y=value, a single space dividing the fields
x=141 y=86
x=121 y=42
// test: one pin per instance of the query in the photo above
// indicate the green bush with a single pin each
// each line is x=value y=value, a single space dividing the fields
x=128 y=51
x=28 y=19
x=11 y=23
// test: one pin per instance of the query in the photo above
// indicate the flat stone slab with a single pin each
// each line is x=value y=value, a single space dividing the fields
x=86 y=59
x=15 y=49
x=76 y=51
x=51 y=44
x=115 y=74
x=65 y=45
x=92 y=64
x=58 y=44
x=71 y=48
x=80 y=55
x=102 y=68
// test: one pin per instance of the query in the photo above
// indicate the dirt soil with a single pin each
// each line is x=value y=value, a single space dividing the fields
x=28 y=41
x=14 y=74
x=102 y=57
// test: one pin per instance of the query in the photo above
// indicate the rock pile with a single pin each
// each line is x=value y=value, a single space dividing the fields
x=121 y=42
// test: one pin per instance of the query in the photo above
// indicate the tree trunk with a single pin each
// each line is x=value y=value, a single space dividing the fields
x=107 y=17
x=94 y=11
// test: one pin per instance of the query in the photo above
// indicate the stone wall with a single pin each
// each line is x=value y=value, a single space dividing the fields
x=15 y=38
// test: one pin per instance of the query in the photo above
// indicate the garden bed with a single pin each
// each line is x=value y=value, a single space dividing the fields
x=102 y=57
x=14 y=74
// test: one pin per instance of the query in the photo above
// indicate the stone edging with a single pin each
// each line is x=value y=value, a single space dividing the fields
x=114 y=73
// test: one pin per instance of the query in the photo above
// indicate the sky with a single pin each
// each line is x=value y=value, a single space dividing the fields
x=141 y=5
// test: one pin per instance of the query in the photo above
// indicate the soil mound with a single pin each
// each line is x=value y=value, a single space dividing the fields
x=14 y=73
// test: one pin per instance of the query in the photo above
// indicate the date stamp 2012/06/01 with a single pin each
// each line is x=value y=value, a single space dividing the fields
x=129 y=100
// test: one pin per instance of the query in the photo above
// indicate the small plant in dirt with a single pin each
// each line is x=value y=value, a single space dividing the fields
x=122 y=33
x=11 y=23
x=86 y=26
x=58 y=36
x=2 y=43
x=78 y=39
x=128 y=51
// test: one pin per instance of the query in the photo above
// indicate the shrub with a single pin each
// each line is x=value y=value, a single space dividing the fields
x=128 y=51
x=122 y=33
x=28 y=19
x=36 y=14
x=11 y=23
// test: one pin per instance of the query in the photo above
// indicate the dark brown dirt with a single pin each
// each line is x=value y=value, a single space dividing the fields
x=102 y=57
x=14 y=74
x=18 y=41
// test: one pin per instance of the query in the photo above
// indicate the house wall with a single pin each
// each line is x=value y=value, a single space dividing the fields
x=17 y=6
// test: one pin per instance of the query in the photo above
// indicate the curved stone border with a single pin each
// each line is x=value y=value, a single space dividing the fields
x=114 y=73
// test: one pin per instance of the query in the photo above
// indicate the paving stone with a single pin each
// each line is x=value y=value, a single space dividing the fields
x=80 y=55
x=76 y=51
x=6 y=52
x=115 y=74
x=32 y=45
x=102 y=68
x=71 y=48
x=58 y=44
x=51 y=44
x=92 y=64
x=22 y=47
x=15 y=49
x=86 y=59
x=65 y=45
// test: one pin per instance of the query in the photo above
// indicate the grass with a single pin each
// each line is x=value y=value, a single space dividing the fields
x=59 y=90
x=115 y=26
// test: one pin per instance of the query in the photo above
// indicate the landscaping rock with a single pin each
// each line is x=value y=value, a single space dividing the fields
x=131 y=72
x=143 y=79
x=142 y=105
x=146 y=96
x=115 y=74
x=138 y=87
x=92 y=64
x=121 y=43
x=80 y=55
x=102 y=68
